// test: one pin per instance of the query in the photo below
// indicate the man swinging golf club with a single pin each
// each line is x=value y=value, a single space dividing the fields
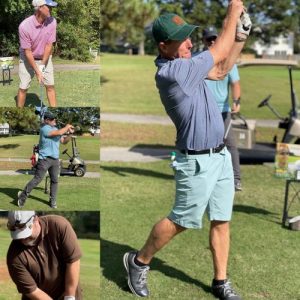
x=43 y=258
x=203 y=168
x=37 y=34
x=48 y=160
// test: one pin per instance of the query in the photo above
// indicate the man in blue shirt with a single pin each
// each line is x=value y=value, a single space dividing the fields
x=50 y=139
x=203 y=168
x=220 y=90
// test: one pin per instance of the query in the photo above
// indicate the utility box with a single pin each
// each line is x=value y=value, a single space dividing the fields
x=244 y=134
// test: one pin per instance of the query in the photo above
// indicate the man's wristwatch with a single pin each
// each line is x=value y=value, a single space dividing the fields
x=237 y=101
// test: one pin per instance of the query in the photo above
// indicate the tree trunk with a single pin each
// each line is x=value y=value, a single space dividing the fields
x=142 y=47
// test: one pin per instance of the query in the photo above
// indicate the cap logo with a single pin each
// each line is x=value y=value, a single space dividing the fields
x=177 y=20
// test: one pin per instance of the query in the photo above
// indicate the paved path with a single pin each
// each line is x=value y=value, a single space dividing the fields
x=162 y=120
x=133 y=154
x=67 y=67
x=88 y=162
x=30 y=172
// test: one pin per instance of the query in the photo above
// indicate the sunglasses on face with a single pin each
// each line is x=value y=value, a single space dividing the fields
x=17 y=225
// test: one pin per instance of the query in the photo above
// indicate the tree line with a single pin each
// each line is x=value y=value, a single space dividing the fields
x=77 y=30
x=27 y=120
x=128 y=22
x=86 y=224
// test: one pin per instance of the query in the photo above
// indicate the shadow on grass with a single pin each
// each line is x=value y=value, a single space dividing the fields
x=153 y=146
x=9 y=146
x=123 y=171
x=32 y=99
x=103 y=80
x=154 y=150
x=260 y=212
x=251 y=210
x=13 y=192
x=113 y=269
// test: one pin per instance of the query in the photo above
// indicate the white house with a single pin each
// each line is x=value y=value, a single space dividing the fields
x=94 y=130
x=4 y=129
x=282 y=47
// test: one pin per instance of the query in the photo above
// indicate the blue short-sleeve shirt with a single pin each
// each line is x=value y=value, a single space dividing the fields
x=220 y=88
x=188 y=101
x=48 y=146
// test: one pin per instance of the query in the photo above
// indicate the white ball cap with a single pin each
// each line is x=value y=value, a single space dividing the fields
x=21 y=217
x=37 y=3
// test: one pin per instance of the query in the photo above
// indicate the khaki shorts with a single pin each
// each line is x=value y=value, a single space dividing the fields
x=26 y=73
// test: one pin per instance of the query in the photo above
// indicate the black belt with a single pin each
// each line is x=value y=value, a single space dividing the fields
x=205 y=151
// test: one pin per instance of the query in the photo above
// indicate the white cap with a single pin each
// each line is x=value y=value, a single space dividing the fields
x=37 y=3
x=20 y=217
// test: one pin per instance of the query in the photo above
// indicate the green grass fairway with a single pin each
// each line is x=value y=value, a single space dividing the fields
x=127 y=86
x=74 y=193
x=21 y=147
x=89 y=273
x=73 y=88
x=264 y=258
x=89 y=277
x=154 y=136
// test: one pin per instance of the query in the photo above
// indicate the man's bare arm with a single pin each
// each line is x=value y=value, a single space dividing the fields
x=72 y=278
x=38 y=295
x=30 y=59
x=236 y=95
x=47 y=53
x=242 y=32
x=61 y=131
x=225 y=41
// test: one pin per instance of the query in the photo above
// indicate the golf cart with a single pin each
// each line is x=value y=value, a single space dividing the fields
x=77 y=166
x=260 y=152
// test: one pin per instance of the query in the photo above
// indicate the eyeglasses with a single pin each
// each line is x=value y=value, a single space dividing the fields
x=211 y=39
x=17 y=225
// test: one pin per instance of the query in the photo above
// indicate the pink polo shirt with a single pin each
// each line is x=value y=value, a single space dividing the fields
x=36 y=36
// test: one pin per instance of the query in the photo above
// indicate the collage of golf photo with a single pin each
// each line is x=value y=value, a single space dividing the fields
x=49 y=149
x=149 y=148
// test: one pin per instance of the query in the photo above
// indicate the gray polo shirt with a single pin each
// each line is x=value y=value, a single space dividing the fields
x=188 y=101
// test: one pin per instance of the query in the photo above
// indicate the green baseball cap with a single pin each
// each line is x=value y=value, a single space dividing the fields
x=171 y=27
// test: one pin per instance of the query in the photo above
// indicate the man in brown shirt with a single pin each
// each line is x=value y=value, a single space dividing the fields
x=44 y=257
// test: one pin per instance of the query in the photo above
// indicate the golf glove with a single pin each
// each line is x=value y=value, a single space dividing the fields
x=42 y=68
x=69 y=298
x=243 y=27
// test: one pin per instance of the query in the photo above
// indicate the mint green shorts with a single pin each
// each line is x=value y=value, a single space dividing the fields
x=203 y=182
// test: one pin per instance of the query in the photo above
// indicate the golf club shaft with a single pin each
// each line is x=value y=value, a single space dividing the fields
x=228 y=128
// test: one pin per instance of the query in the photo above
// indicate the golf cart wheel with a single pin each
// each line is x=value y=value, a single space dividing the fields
x=79 y=172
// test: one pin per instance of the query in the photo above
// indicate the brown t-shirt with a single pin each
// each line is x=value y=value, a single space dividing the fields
x=43 y=266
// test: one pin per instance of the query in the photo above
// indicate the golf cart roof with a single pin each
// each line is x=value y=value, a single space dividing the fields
x=266 y=62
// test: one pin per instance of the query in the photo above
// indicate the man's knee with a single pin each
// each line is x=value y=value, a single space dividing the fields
x=23 y=91
x=219 y=226
x=50 y=88
x=167 y=227
x=54 y=180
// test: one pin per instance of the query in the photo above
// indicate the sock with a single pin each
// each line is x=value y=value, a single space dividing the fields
x=219 y=282
x=138 y=263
